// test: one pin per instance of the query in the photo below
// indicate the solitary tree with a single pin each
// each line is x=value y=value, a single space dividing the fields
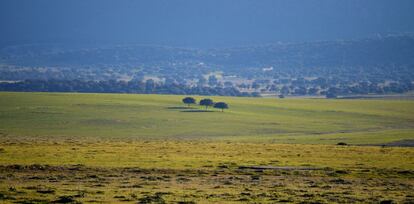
x=206 y=102
x=221 y=105
x=189 y=100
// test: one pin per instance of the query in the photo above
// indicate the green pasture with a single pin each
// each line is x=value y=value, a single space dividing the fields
x=112 y=148
x=130 y=116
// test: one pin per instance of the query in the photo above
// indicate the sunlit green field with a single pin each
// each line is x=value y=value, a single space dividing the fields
x=318 y=121
x=119 y=148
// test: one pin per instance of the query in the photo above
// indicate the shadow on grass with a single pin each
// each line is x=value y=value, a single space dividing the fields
x=179 y=108
x=196 y=111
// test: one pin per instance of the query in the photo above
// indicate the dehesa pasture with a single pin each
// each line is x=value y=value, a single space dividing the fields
x=70 y=147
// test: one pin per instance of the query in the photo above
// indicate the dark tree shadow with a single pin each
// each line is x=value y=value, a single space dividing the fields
x=179 y=108
x=196 y=111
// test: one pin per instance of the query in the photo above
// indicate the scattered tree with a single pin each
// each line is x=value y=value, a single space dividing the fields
x=221 y=105
x=285 y=90
x=255 y=94
x=189 y=100
x=255 y=85
x=201 y=81
x=206 y=102
x=332 y=92
x=150 y=86
x=212 y=80
x=331 y=95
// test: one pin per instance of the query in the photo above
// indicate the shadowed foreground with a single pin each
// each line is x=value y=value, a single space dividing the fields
x=191 y=171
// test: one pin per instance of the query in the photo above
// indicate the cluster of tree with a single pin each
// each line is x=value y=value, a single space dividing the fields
x=206 y=103
x=366 y=66
x=295 y=58
x=112 y=86
x=331 y=87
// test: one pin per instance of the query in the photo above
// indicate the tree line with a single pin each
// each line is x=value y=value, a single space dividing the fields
x=113 y=86
x=206 y=103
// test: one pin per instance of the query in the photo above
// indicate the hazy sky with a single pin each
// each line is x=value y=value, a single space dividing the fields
x=195 y=23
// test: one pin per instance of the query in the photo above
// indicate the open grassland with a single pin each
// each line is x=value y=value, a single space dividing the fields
x=113 y=148
x=202 y=172
x=317 y=121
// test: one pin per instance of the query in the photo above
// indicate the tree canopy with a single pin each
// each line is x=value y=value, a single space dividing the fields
x=206 y=102
x=221 y=105
x=189 y=100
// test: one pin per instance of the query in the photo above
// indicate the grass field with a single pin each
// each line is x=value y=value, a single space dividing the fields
x=159 y=117
x=151 y=149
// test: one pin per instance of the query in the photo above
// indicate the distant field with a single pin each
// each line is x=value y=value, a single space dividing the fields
x=94 y=148
x=316 y=121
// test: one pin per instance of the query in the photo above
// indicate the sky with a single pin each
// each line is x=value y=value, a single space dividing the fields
x=201 y=24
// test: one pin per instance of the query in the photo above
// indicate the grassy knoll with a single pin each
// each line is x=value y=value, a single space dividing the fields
x=150 y=149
